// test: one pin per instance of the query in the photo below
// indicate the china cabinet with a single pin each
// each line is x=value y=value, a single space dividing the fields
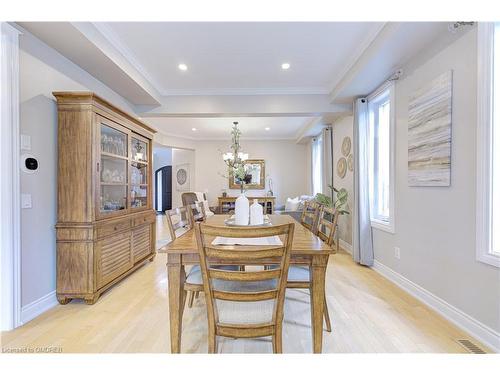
x=106 y=223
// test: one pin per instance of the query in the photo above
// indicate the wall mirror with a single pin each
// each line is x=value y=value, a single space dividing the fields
x=255 y=175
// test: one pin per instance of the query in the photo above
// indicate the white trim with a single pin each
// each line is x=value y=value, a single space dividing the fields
x=109 y=34
x=484 y=143
x=247 y=91
x=346 y=246
x=38 y=307
x=113 y=38
x=10 y=207
x=361 y=49
x=467 y=323
x=389 y=226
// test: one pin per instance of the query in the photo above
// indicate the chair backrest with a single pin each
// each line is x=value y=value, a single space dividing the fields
x=188 y=198
x=215 y=280
x=197 y=211
x=178 y=218
x=327 y=224
x=310 y=215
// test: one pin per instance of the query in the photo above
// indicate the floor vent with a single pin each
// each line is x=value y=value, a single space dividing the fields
x=471 y=347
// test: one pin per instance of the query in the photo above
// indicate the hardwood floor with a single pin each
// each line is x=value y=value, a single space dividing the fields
x=369 y=315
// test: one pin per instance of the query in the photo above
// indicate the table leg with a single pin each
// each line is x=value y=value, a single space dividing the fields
x=318 y=270
x=176 y=300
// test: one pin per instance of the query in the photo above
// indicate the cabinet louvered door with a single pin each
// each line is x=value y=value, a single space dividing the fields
x=141 y=242
x=114 y=257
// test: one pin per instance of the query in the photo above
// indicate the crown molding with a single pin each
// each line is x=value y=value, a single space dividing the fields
x=111 y=36
x=355 y=57
x=210 y=139
x=107 y=32
x=248 y=91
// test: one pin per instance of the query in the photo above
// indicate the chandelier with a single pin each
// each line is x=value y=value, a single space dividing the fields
x=235 y=159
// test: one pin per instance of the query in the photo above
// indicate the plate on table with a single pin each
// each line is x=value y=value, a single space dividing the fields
x=230 y=222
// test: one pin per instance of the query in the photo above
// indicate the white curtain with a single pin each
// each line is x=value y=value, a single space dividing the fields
x=362 y=246
x=317 y=164
x=322 y=162
x=327 y=166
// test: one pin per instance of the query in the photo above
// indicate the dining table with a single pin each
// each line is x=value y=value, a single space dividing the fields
x=307 y=250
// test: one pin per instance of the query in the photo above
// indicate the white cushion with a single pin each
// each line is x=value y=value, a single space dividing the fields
x=292 y=204
x=231 y=312
x=296 y=273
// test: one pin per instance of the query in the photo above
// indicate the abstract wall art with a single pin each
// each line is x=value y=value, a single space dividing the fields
x=429 y=133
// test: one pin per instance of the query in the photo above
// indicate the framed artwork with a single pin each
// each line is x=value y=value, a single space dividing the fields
x=429 y=133
x=182 y=177
x=255 y=175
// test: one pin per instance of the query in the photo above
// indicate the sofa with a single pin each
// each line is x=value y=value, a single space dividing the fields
x=292 y=209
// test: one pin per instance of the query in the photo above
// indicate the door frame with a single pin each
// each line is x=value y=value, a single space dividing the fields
x=10 y=205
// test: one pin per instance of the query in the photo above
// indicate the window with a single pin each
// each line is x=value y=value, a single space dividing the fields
x=317 y=164
x=488 y=145
x=380 y=155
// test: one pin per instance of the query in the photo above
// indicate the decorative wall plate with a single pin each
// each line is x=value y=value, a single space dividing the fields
x=350 y=162
x=182 y=177
x=346 y=146
x=341 y=167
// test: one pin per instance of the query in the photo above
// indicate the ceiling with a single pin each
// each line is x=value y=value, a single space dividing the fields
x=242 y=57
x=234 y=69
x=220 y=128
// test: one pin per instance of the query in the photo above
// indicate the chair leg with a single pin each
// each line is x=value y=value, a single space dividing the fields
x=212 y=343
x=196 y=295
x=278 y=340
x=191 y=299
x=327 y=316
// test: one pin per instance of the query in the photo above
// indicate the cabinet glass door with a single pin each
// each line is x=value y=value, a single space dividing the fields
x=139 y=173
x=113 y=169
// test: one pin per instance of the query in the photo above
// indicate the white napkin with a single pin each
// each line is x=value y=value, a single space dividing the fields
x=258 y=241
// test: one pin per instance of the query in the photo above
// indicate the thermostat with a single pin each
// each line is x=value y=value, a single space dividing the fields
x=29 y=164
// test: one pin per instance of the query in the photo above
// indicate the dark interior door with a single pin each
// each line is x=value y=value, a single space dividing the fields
x=163 y=191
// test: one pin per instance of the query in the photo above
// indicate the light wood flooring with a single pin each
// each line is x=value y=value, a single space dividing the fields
x=369 y=315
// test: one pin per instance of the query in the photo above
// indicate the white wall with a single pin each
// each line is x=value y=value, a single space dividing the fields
x=287 y=163
x=343 y=128
x=180 y=156
x=43 y=70
x=435 y=226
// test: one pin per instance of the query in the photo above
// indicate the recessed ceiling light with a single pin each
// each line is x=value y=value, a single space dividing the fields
x=183 y=67
x=193 y=129
x=267 y=129
x=285 y=66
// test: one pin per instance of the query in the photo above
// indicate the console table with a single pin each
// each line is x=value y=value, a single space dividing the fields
x=226 y=204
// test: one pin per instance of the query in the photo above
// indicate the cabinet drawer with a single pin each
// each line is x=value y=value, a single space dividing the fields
x=141 y=242
x=146 y=219
x=112 y=228
x=114 y=257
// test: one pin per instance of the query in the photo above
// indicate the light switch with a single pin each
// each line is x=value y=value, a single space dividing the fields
x=25 y=200
x=25 y=142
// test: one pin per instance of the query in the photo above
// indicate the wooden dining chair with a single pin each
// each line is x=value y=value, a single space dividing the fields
x=182 y=218
x=326 y=228
x=299 y=276
x=177 y=219
x=197 y=211
x=231 y=295
x=310 y=214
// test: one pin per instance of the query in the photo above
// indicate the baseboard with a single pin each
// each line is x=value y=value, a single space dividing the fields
x=467 y=323
x=35 y=308
x=346 y=246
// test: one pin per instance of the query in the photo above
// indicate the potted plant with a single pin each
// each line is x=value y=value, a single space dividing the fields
x=340 y=202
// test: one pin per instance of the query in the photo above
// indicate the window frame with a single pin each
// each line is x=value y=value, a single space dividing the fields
x=386 y=89
x=484 y=145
